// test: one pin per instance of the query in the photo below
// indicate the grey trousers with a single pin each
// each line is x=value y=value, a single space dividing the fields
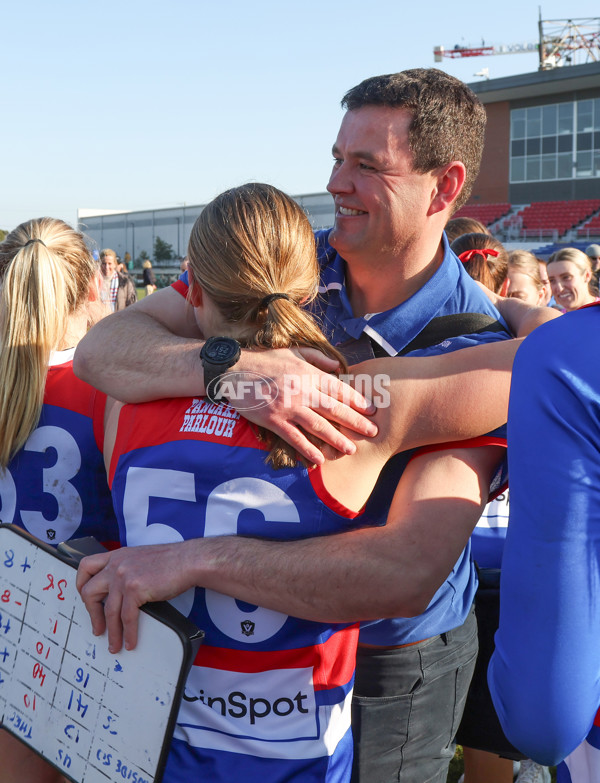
x=407 y=706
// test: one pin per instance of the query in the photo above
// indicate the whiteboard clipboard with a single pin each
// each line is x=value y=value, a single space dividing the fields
x=95 y=716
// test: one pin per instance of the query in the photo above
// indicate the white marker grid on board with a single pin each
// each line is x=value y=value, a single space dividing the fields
x=96 y=716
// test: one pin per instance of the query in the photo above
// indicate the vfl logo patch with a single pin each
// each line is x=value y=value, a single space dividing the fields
x=248 y=627
x=51 y=534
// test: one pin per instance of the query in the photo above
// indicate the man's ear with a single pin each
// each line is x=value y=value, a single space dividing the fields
x=195 y=294
x=450 y=180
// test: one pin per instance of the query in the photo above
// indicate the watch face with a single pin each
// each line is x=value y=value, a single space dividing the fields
x=221 y=350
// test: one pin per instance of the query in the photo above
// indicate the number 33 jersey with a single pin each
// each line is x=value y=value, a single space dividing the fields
x=268 y=696
x=56 y=487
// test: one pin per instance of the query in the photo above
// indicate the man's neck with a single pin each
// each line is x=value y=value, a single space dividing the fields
x=375 y=290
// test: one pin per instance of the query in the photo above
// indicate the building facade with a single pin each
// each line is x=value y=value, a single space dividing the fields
x=136 y=232
x=542 y=138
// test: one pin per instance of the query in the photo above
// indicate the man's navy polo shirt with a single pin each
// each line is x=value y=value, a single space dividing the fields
x=449 y=290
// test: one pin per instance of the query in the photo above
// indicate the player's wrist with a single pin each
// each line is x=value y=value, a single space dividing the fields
x=218 y=355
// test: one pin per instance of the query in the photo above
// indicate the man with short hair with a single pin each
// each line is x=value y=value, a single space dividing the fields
x=119 y=290
x=405 y=158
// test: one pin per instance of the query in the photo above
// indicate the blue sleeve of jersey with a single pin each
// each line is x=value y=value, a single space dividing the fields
x=545 y=673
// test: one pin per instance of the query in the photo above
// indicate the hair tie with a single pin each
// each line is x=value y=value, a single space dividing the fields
x=468 y=255
x=31 y=241
x=271 y=298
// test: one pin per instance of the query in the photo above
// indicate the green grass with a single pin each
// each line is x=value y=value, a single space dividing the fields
x=456 y=766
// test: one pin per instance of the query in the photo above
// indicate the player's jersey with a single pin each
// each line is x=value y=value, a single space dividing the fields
x=268 y=696
x=56 y=486
x=447 y=292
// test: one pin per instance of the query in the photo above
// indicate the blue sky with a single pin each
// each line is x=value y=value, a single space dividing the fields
x=135 y=105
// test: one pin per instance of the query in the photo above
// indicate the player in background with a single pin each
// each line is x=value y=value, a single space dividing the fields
x=52 y=478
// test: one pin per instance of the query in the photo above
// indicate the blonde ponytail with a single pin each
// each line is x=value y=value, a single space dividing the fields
x=45 y=272
x=286 y=324
x=252 y=250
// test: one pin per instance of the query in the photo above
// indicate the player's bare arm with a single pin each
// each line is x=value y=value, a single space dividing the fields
x=521 y=317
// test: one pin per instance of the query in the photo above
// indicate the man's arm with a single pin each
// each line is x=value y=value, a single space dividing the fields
x=370 y=573
x=151 y=350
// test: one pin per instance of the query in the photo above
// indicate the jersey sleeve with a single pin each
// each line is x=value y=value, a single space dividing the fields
x=545 y=673
x=181 y=285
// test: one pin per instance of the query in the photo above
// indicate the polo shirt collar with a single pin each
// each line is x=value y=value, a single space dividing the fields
x=392 y=329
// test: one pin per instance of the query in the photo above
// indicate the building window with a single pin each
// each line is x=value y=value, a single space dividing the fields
x=558 y=141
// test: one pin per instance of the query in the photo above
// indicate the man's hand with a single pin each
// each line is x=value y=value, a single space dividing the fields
x=114 y=585
x=304 y=396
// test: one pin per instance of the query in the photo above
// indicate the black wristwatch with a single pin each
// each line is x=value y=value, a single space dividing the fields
x=218 y=354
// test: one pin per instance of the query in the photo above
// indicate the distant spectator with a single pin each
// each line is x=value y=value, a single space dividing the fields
x=118 y=288
x=184 y=265
x=524 y=278
x=571 y=279
x=149 y=278
x=485 y=259
x=463 y=225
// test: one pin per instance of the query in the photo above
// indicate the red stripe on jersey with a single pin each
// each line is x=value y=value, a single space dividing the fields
x=597 y=719
x=316 y=479
x=333 y=662
x=469 y=443
x=180 y=287
x=99 y=404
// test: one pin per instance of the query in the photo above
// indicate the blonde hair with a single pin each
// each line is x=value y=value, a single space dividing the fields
x=525 y=262
x=250 y=242
x=578 y=257
x=582 y=261
x=46 y=269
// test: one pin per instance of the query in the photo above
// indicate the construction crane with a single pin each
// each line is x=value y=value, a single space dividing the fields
x=439 y=52
x=560 y=40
